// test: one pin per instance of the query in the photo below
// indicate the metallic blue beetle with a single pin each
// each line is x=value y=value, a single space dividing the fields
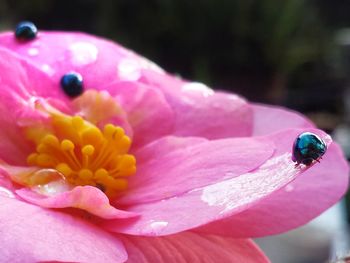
x=307 y=148
x=26 y=31
x=72 y=84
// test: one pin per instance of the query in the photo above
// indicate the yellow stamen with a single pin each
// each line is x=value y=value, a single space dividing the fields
x=84 y=154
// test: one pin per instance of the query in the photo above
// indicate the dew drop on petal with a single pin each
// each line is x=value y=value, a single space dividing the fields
x=33 y=51
x=128 y=69
x=147 y=64
x=82 y=53
x=52 y=188
x=155 y=227
x=6 y=192
x=53 y=183
x=197 y=88
x=47 y=69
x=246 y=188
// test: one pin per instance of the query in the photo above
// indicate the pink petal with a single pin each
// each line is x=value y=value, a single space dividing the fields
x=294 y=205
x=32 y=234
x=58 y=194
x=26 y=80
x=14 y=147
x=148 y=112
x=87 y=198
x=20 y=91
x=225 y=198
x=99 y=61
x=269 y=119
x=219 y=115
x=17 y=96
x=172 y=166
x=200 y=111
x=6 y=187
x=191 y=247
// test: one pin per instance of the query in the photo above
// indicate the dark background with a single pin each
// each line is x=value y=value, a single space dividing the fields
x=293 y=53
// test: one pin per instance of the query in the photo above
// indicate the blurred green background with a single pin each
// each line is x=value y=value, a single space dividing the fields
x=294 y=53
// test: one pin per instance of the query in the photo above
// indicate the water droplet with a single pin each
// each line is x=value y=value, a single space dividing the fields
x=147 y=64
x=33 y=51
x=249 y=187
x=129 y=69
x=52 y=182
x=199 y=88
x=83 y=53
x=46 y=68
x=6 y=192
x=155 y=227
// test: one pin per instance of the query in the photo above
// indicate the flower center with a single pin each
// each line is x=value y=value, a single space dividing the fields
x=84 y=154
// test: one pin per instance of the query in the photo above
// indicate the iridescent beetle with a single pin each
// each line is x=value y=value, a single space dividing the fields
x=307 y=148
x=26 y=31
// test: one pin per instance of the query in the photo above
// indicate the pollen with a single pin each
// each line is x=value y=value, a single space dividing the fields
x=86 y=155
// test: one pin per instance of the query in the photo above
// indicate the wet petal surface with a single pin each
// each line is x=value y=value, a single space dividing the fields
x=218 y=200
x=317 y=189
x=175 y=165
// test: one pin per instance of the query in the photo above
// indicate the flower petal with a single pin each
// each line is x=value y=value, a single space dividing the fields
x=87 y=198
x=223 y=199
x=175 y=165
x=17 y=96
x=200 y=111
x=32 y=234
x=191 y=247
x=295 y=204
x=24 y=78
x=148 y=112
x=269 y=119
x=14 y=147
x=6 y=186
x=99 y=61
x=219 y=115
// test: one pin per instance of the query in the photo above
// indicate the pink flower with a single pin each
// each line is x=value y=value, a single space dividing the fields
x=155 y=169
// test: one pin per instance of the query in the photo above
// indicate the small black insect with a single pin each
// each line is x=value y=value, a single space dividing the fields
x=307 y=148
